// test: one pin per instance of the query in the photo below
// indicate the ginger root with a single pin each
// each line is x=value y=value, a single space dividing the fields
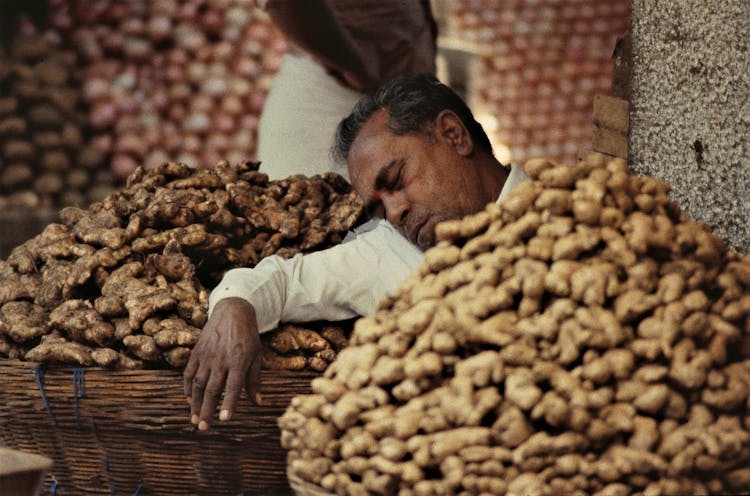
x=583 y=337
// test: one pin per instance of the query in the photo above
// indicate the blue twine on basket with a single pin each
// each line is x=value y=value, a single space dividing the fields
x=53 y=489
x=81 y=381
x=112 y=487
x=39 y=378
x=138 y=489
x=105 y=460
x=79 y=390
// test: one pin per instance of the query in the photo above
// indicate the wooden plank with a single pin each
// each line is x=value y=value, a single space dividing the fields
x=612 y=113
x=610 y=142
x=585 y=153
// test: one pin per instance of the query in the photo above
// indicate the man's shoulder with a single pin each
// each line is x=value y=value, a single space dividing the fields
x=382 y=238
x=371 y=226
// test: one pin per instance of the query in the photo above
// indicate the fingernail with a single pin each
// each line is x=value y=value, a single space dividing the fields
x=203 y=425
x=189 y=401
x=224 y=415
x=258 y=399
x=194 y=419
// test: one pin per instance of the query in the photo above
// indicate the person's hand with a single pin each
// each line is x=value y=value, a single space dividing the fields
x=225 y=359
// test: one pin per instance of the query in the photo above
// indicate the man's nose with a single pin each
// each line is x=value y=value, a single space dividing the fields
x=396 y=207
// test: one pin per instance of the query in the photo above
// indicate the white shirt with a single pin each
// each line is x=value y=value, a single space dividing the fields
x=338 y=283
x=304 y=105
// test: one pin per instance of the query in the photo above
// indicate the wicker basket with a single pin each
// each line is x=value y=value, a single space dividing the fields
x=128 y=432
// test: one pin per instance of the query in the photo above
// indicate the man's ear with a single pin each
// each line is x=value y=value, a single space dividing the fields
x=450 y=127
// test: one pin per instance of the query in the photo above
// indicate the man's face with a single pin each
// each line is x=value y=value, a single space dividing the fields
x=415 y=180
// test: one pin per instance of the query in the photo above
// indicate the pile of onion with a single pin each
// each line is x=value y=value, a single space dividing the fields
x=540 y=64
x=46 y=159
x=172 y=80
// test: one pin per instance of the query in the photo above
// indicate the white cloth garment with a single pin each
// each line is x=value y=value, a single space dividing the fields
x=304 y=105
x=338 y=283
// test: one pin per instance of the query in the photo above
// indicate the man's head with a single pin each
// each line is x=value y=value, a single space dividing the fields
x=417 y=156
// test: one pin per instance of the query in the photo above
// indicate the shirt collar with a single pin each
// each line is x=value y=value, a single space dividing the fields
x=516 y=176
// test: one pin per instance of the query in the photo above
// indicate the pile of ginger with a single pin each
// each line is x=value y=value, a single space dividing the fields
x=583 y=337
x=125 y=282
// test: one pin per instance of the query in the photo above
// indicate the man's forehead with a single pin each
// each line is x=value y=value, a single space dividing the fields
x=367 y=154
x=375 y=126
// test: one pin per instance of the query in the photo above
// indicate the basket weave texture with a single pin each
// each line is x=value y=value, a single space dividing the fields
x=128 y=432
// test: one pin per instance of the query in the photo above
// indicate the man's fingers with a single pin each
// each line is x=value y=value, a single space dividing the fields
x=197 y=388
x=189 y=373
x=231 y=394
x=252 y=381
x=211 y=395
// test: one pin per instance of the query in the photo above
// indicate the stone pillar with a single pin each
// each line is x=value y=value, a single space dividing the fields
x=690 y=107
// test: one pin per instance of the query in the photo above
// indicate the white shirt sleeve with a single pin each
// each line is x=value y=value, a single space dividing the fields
x=338 y=283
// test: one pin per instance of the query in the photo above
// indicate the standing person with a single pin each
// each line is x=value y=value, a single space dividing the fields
x=417 y=156
x=340 y=50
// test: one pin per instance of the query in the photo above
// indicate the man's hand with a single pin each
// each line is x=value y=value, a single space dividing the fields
x=225 y=359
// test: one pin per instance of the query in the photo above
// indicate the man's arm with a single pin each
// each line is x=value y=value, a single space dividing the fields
x=313 y=25
x=341 y=282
